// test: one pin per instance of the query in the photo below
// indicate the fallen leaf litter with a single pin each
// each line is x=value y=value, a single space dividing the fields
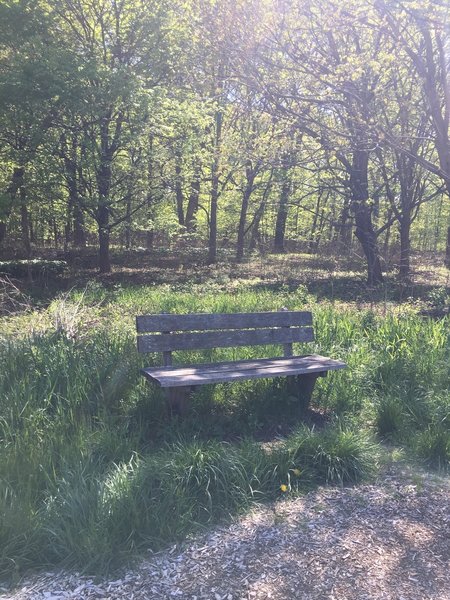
x=386 y=541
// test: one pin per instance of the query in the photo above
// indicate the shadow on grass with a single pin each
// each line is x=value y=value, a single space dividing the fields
x=263 y=412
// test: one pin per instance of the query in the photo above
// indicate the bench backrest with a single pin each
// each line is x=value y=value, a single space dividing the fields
x=222 y=330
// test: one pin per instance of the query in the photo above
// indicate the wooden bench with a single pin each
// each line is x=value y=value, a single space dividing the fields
x=170 y=332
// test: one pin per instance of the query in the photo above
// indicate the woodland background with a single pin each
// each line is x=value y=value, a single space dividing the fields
x=225 y=128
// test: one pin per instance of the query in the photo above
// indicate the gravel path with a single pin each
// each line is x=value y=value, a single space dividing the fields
x=388 y=540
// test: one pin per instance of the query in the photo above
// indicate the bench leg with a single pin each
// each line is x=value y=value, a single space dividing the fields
x=178 y=399
x=304 y=386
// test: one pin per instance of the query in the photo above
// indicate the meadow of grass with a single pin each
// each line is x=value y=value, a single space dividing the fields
x=92 y=469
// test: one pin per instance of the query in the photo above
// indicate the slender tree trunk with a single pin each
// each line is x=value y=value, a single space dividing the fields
x=363 y=216
x=150 y=233
x=55 y=232
x=250 y=173
x=25 y=220
x=405 y=246
x=387 y=237
x=74 y=210
x=3 y=230
x=104 y=175
x=283 y=207
x=103 y=213
x=16 y=182
x=319 y=232
x=104 y=262
x=25 y=230
x=312 y=240
x=215 y=168
x=447 y=250
x=79 y=233
x=179 y=188
x=255 y=238
x=32 y=231
x=128 y=223
x=68 y=226
x=215 y=176
x=150 y=239
x=192 y=207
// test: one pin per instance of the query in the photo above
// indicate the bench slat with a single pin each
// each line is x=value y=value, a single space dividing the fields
x=203 y=374
x=204 y=321
x=223 y=339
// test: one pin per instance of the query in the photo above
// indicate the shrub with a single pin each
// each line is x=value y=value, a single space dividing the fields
x=35 y=268
x=433 y=446
x=336 y=455
x=389 y=419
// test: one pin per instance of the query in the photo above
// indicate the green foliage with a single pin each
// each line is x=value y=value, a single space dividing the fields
x=439 y=297
x=336 y=455
x=433 y=446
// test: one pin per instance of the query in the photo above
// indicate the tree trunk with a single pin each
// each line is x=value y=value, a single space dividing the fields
x=104 y=183
x=55 y=232
x=68 y=226
x=447 y=250
x=212 y=246
x=24 y=221
x=283 y=207
x=79 y=233
x=150 y=233
x=255 y=239
x=104 y=262
x=104 y=175
x=192 y=207
x=312 y=239
x=215 y=169
x=128 y=223
x=74 y=230
x=345 y=230
x=363 y=216
x=405 y=246
x=366 y=236
x=250 y=176
x=2 y=232
x=15 y=185
x=150 y=239
x=179 y=189
x=387 y=237
x=32 y=231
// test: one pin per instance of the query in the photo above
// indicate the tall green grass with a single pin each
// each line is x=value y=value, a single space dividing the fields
x=92 y=468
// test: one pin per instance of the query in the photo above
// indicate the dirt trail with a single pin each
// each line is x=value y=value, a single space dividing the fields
x=387 y=540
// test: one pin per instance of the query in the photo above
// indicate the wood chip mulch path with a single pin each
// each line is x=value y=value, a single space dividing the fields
x=388 y=540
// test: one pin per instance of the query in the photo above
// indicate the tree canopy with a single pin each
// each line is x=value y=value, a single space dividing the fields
x=240 y=125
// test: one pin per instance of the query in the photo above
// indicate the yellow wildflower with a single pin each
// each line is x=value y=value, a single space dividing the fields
x=283 y=487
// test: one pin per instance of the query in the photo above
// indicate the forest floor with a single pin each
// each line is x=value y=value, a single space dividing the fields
x=385 y=540
x=335 y=278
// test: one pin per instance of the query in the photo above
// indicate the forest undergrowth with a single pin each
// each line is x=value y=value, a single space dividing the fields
x=92 y=468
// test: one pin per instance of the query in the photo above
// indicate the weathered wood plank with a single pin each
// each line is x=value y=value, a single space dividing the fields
x=249 y=363
x=233 y=371
x=201 y=322
x=223 y=339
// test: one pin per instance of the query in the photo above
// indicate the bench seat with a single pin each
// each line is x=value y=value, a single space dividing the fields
x=209 y=373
